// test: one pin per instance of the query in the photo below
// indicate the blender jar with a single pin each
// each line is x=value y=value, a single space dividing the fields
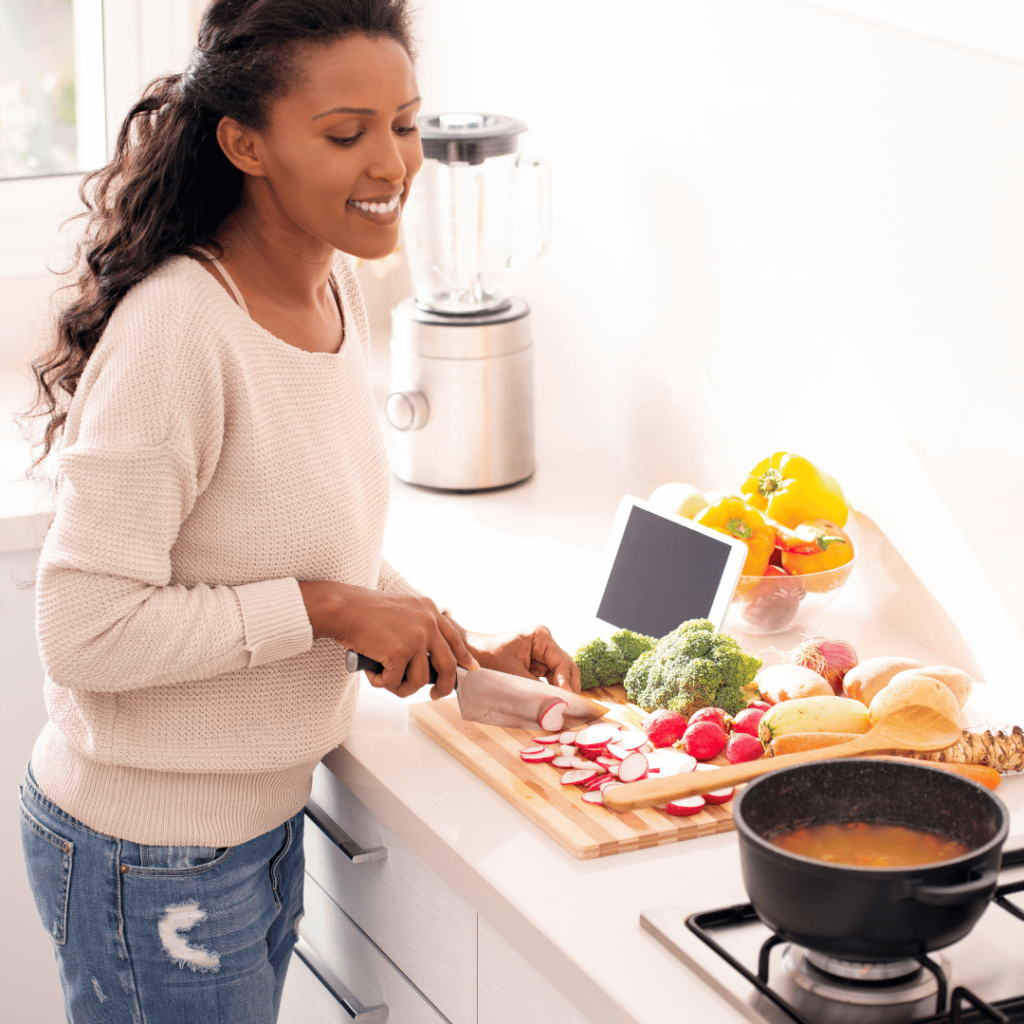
x=460 y=221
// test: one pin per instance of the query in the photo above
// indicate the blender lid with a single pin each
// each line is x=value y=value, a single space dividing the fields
x=468 y=138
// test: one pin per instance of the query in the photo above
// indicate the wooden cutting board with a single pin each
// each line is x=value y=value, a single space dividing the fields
x=585 y=830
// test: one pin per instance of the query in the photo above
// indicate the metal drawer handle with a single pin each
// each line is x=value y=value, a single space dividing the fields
x=355 y=1009
x=346 y=844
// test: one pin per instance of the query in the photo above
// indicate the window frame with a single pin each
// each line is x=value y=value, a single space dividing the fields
x=141 y=40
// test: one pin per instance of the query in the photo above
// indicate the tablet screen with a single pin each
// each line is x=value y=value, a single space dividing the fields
x=663 y=574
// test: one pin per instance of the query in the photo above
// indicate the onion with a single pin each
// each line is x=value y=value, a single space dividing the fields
x=831 y=659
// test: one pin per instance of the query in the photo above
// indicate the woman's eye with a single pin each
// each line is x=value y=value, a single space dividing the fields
x=348 y=141
x=405 y=130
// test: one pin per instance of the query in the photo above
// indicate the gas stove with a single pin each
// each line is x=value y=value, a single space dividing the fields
x=772 y=981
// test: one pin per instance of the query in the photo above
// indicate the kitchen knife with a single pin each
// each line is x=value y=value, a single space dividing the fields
x=499 y=698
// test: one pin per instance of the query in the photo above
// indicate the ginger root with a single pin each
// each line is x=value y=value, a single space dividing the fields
x=1000 y=750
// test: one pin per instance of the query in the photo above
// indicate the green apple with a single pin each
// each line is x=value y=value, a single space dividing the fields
x=678 y=499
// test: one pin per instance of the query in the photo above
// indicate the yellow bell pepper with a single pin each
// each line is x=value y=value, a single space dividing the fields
x=791 y=490
x=832 y=549
x=736 y=518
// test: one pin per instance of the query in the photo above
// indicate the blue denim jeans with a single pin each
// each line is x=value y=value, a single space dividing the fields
x=163 y=934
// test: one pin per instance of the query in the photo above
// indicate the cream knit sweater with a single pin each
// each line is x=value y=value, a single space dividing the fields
x=206 y=466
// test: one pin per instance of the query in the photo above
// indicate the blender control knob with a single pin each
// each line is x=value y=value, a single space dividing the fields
x=407 y=410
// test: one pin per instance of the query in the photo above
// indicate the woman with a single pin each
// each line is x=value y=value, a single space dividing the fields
x=221 y=498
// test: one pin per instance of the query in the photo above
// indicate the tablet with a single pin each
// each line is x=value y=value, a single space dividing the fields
x=664 y=569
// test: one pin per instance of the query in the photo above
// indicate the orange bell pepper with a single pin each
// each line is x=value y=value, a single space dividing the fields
x=736 y=518
x=832 y=548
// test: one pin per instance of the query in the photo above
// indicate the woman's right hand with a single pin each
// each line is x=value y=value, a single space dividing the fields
x=405 y=633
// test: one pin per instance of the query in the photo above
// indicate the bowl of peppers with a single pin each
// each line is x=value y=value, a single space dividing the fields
x=791 y=516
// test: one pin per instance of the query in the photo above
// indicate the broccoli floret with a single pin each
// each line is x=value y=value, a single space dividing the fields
x=606 y=662
x=692 y=667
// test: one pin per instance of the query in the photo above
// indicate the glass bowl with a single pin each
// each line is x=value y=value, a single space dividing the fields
x=772 y=604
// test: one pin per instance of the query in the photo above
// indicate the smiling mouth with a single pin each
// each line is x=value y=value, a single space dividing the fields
x=388 y=207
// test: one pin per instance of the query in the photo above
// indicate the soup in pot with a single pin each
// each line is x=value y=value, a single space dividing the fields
x=867 y=844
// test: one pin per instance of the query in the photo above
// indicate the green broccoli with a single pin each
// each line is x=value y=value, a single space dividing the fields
x=692 y=667
x=606 y=662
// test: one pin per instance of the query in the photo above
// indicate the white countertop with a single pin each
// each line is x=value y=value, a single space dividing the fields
x=534 y=553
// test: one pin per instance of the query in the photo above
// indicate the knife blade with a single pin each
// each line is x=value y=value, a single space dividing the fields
x=499 y=698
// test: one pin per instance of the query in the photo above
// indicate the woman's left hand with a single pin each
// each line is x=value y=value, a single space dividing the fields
x=531 y=653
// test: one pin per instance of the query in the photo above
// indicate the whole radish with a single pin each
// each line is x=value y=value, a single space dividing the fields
x=748 y=720
x=704 y=740
x=717 y=715
x=743 y=747
x=664 y=727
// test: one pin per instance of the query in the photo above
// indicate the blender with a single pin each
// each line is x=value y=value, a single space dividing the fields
x=460 y=407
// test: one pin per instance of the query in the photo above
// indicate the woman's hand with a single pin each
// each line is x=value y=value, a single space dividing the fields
x=532 y=653
x=405 y=633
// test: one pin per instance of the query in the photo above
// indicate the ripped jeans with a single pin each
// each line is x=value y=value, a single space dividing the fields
x=163 y=934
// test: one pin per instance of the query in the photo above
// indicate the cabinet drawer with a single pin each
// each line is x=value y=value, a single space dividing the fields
x=419 y=922
x=513 y=991
x=360 y=984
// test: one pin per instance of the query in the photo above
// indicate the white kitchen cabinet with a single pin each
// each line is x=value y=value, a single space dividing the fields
x=416 y=919
x=351 y=980
x=512 y=990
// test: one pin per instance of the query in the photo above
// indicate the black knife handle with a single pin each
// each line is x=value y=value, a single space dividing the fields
x=361 y=663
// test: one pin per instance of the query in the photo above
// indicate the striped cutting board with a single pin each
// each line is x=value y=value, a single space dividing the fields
x=585 y=830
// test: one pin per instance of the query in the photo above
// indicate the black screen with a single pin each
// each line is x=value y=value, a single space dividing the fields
x=663 y=574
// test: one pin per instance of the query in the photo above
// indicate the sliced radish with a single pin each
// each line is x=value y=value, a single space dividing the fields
x=600 y=780
x=634 y=766
x=550 y=738
x=616 y=751
x=582 y=762
x=608 y=780
x=562 y=762
x=592 y=751
x=578 y=777
x=595 y=735
x=703 y=766
x=553 y=716
x=719 y=796
x=546 y=758
x=613 y=769
x=594 y=796
x=691 y=805
x=631 y=740
x=534 y=750
x=567 y=749
x=671 y=762
x=568 y=737
x=606 y=760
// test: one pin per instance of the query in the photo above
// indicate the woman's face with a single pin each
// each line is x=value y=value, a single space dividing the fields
x=340 y=150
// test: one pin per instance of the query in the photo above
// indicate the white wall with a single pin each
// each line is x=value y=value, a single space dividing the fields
x=778 y=228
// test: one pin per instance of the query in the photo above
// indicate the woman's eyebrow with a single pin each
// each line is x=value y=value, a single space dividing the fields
x=365 y=111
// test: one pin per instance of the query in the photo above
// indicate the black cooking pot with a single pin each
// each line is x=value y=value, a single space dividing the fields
x=869 y=913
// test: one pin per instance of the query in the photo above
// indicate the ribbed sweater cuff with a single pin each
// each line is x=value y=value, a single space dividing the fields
x=275 y=620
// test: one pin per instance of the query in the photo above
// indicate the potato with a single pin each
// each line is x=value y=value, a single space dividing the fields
x=913 y=688
x=788 y=682
x=959 y=682
x=863 y=681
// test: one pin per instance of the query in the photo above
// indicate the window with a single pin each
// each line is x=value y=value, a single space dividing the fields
x=69 y=71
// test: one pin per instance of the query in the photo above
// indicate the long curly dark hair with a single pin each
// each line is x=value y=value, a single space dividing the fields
x=169 y=186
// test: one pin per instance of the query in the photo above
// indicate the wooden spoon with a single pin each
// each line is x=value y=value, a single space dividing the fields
x=914 y=727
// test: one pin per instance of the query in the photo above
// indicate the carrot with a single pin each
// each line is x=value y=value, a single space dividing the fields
x=978 y=772
x=793 y=742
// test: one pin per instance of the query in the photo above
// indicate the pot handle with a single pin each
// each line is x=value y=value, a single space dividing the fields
x=947 y=895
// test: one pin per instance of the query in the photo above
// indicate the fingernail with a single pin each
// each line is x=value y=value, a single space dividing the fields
x=474 y=665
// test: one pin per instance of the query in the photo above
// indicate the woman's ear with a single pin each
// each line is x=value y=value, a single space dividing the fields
x=238 y=144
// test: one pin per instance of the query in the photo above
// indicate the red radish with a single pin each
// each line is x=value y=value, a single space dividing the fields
x=613 y=769
x=616 y=751
x=691 y=805
x=664 y=727
x=567 y=749
x=743 y=747
x=748 y=720
x=599 y=781
x=610 y=785
x=719 y=796
x=550 y=738
x=578 y=777
x=633 y=767
x=533 y=750
x=552 y=717
x=607 y=761
x=762 y=704
x=537 y=755
x=631 y=740
x=594 y=796
x=831 y=659
x=582 y=762
x=672 y=762
x=704 y=740
x=562 y=762
x=568 y=737
x=608 y=780
x=716 y=715
x=595 y=735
